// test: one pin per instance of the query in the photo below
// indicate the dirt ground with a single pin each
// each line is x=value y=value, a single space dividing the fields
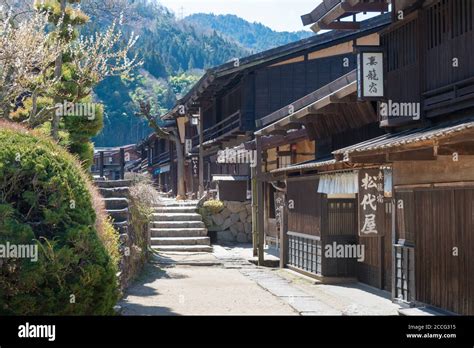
x=198 y=290
x=226 y=283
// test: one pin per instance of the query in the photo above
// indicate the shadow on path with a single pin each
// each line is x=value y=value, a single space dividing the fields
x=134 y=301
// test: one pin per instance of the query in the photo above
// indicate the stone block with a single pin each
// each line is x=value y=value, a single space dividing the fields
x=218 y=219
x=225 y=236
x=242 y=238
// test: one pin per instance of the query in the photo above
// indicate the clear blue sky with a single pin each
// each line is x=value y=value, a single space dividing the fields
x=280 y=15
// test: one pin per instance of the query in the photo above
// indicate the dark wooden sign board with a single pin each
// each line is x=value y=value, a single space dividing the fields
x=371 y=203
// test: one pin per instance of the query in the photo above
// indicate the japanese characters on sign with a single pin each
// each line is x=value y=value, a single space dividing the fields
x=279 y=206
x=188 y=146
x=195 y=166
x=371 y=203
x=370 y=75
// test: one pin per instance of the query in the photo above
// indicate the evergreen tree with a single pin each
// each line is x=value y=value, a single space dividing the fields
x=80 y=127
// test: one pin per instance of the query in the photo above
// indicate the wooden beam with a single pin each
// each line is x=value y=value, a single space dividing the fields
x=350 y=99
x=462 y=149
x=260 y=204
x=278 y=131
x=429 y=154
x=284 y=245
x=365 y=7
x=328 y=109
x=320 y=11
x=372 y=159
x=312 y=135
x=335 y=26
x=294 y=125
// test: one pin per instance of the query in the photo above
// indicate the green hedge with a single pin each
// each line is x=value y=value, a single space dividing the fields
x=45 y=199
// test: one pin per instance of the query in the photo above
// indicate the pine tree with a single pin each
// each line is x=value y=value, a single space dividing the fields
x=67 y=17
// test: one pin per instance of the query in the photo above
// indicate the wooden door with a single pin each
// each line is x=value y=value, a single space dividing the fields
x=445 y=248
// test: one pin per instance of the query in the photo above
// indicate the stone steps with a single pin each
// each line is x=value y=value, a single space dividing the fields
x=178 y=232
x=116 y=203
x=176 y=224
x=113 y=183
x=119 y=215
x=176 y=227
x=121 y=227
x=183 y=248
x=176 y=217
x=114 y=192
x=173 y=203
x=173 y=210
x=116 y=195
x=180 y=241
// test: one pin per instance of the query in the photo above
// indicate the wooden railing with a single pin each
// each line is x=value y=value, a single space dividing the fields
x=304 y=252
x=162 y=157
x=449 y=98
x=220 y=129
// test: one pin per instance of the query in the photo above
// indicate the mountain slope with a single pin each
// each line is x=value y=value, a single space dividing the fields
x=175 y=55
x=254 y=36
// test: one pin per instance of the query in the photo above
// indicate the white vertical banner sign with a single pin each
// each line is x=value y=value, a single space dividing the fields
x=373 y=74
x=189 y=145
x=370 y=74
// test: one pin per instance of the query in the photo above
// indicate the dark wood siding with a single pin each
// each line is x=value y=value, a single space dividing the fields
x=278 y=86
x=376 y=269
x=405 y=205
x=449 y=34
x=446 y=222
x=342 y=230
x=403 y=66
x=442 y=219
x=306 y=216
x=233 y=191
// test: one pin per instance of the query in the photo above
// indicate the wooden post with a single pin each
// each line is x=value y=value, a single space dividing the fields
x=201 y=155
x=122 y=163
x=283 y=234
x=101 y=164
x=254 y=211
x=260 y=203
x=394 y=242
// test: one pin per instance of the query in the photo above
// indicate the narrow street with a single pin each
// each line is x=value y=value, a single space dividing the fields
x=225 y=283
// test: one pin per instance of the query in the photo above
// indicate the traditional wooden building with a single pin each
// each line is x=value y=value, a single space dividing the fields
x=231 y=100
x=393 y=168
x=112 y=162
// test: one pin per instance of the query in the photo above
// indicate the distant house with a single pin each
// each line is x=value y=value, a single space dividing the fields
x=111 y=160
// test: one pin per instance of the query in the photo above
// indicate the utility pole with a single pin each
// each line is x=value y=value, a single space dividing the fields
x=201 y=155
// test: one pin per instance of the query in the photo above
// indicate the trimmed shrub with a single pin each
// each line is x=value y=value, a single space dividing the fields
x=46 y=200
x=209 y=208
x=213 y=206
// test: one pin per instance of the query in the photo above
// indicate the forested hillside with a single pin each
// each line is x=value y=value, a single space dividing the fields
x=254 y=36
x=175 y=54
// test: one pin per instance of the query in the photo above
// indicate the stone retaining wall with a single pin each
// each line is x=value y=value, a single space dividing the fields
x=233 y=223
